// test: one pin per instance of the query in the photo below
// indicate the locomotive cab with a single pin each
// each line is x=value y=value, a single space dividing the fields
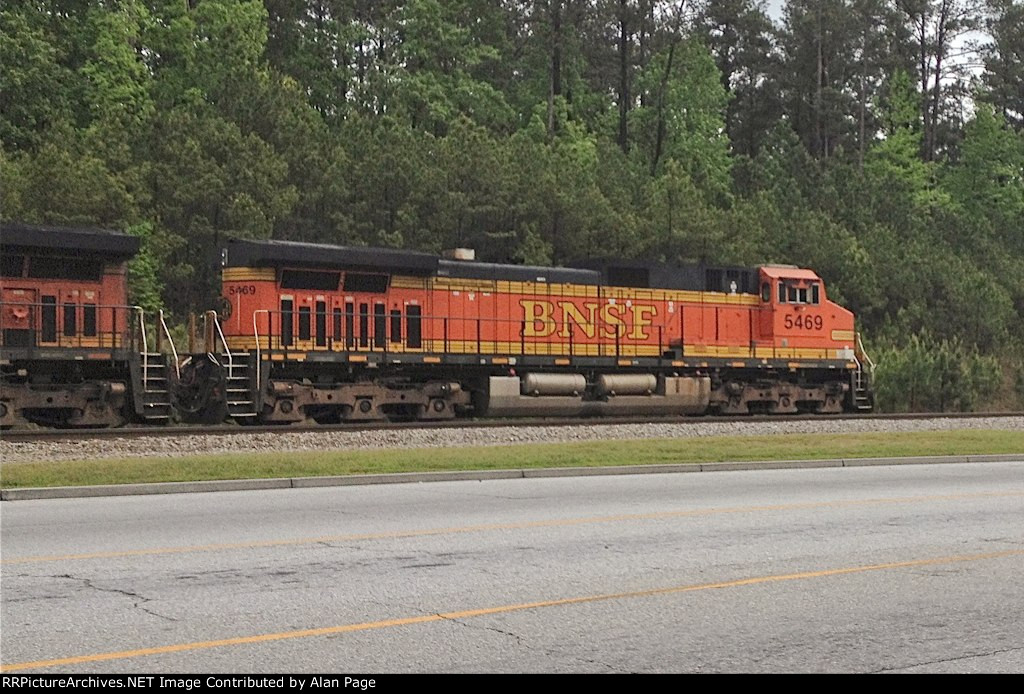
x=800 y=322
x=797 y=315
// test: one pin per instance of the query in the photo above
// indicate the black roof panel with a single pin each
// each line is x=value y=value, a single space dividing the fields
x=610 y=272
x=240 y=253
x=110 y=244
x=692 y=277
x=463 y=269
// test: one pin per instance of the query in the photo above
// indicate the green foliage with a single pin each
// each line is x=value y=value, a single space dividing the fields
x=894 y=165
x=684 y=120
x=925 y=374
x=116 y=80
x=681 y=226
x=1004 y=67
x=33 y=81
x=1018 y=380
x=435 y=60
x=144 y=272
x=65 y=182
x=988 y=178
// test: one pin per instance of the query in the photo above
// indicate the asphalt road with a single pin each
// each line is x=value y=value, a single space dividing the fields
x=910 y=568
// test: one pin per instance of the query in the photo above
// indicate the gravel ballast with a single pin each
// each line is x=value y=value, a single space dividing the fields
x=284 y=441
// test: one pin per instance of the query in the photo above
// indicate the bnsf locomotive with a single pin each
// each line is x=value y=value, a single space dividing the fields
x=73 y=352
x=334 y=334
x=310 y=332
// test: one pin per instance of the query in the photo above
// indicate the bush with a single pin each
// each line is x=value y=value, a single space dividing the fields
x=924 y=374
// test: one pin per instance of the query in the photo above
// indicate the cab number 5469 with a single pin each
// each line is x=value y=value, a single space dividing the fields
x=804 y=322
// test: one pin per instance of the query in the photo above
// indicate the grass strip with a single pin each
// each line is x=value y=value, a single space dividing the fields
x=589 y=453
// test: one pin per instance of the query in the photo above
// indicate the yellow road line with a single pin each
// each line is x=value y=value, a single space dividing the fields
x=466 y=614
x=524 y=525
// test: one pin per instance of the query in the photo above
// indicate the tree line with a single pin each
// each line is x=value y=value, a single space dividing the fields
x=880 y=142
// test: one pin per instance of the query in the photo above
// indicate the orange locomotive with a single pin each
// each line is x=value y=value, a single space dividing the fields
x=72 y=352
x=331 y=333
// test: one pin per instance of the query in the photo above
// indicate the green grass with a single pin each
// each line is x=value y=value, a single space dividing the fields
x=592 y=453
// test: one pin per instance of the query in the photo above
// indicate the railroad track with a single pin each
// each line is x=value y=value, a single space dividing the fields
x=34 y=435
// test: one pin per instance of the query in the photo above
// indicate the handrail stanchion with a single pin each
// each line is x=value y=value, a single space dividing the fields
x=145 y=347
x=170 y=341
x=223 y=340
x=256 y=335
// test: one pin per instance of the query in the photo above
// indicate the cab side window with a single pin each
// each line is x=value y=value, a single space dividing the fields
x=792 y=293
x=766 y=292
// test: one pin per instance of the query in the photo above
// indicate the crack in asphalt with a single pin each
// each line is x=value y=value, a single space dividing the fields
x=949 y=660
x=127 y=593
x=517 y=637
x=522 y=642
x=607 y=665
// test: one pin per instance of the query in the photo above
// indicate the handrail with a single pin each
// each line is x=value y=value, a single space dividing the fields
x=223 y=340
x=860 y=348
x=208 y=338
x=256 y=334
x=486 y=332
x=170 y=341
x=497 y=336
x=145 y=347
x=101 y=334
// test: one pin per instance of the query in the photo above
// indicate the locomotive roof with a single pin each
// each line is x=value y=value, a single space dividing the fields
x=790 y=272
x=90 y=241
x=240 y=253
x=516 y=273
x=659 y=275
x=273 y=253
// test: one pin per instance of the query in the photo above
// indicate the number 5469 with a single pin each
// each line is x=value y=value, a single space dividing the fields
x=804 y=322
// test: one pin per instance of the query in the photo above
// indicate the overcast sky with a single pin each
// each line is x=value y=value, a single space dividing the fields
x=775 y=9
